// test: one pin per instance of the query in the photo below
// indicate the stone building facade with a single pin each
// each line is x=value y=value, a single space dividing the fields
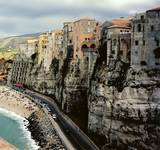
x=119 y=40
x=42 y=46
x=48 y=51
x=68 y=40
x=32 y=47
x=146 y=39
x=85 y=37
x=58 y=44
x=29 y=48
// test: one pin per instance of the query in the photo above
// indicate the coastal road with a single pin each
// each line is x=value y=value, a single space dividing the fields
x=78 y=138
x=60 y=133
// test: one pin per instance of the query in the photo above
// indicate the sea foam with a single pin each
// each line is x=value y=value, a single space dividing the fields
x=23 y=123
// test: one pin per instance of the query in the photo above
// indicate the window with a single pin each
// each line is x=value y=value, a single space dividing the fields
x=139 y=29
x=112 y=52
x=136 y=42
x=152 y=28
x=70 y=41
x=157 y=42
x=143 y=28
x=143 y=42
x=142 y=17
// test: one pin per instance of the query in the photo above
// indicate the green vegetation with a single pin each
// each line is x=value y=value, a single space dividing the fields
x=8 y=54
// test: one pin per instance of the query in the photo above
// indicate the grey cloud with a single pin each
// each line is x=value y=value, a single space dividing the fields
x=26 y=16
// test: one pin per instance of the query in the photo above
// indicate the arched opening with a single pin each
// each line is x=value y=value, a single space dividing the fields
x=93 y=46
x=84 y=47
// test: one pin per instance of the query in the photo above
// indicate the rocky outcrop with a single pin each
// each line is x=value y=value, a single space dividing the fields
x=5 y=66
x=43 y=132
x=124 y=105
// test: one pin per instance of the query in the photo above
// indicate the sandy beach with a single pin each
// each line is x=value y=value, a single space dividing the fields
x=40 y=126
x=4 y=145
x=16 y=102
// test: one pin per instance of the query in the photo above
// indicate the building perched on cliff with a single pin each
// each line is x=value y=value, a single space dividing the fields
x=29 y=48
x=119 y=40
x=68 y=40
x=54 y=48
x=42 y=46
x=32 y=47
x=85 y=36
x=145 y=48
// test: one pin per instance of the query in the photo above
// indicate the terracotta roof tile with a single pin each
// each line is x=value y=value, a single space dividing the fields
x=121 y=23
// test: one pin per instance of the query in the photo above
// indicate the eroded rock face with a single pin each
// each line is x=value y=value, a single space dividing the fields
x=130 y=117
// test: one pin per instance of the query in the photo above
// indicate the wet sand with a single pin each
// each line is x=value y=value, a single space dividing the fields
x=4 y=145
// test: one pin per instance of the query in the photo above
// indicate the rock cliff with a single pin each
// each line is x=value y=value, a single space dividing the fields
x=124 y=105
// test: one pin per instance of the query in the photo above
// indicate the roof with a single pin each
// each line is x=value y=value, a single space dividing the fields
x=120 y=23
x=118 y=26
x=84 y=19
x=154 y=9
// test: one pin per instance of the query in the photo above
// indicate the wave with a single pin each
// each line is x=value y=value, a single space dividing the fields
x=23 y=123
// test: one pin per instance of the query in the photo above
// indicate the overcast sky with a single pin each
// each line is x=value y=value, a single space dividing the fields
x=31 y=16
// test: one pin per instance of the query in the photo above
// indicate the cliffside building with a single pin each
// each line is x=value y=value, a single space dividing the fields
x=42 y=46
x=119 y=40
x=68 y=40
x=53 y=48
x=145 y=49
x=32 y=47
x=85 y=37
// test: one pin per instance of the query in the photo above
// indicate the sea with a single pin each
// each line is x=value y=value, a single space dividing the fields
x=13 y=128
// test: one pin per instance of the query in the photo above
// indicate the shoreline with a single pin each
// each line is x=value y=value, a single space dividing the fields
x=5 y=145
x=16 y=105
x=23 y=124
x=39 y=125
x=16 y=102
